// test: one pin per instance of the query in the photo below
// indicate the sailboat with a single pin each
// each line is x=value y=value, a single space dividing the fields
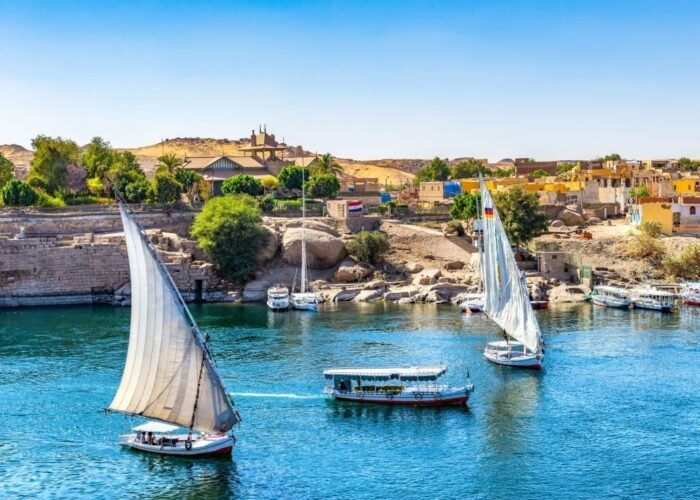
x=507 y=300
x=305 y=299
x=170 y=375
x=474 y=302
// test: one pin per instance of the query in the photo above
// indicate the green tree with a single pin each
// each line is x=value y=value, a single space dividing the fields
x=326 y=164
x=564 y=168
x=165 y=189
x=639 y=192
x=229 y=229
x=368 y=246
x=538 y=173
x=323 y=186
x=137 y=191
x=468 y=169
x=503 y=172
x=188 y=178
x=169 y=163
x=269 y=183
x=436 y=170
x=125 y=170
x=48 y=167
x=688 y=164
x=7 y=170
x=242 y=184
x=520 y=214
x=97 y=158
x=611 y=157
x=293 y=176
x=16 y=193
x=465 y=206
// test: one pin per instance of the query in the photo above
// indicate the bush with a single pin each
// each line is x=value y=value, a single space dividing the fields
x=455 y=227
x=292 y=177
x=86 y=199
x=465 y=206
x=368 y=246
x=95 y=186
x=651 y=229
x=287 y=205
x=269 y=182
x=47 y=201
x=685 y=264
x=16 y=193
x=242 y=184
x=229 y=229
x=644 y=246
x=137 y=191
x=267 y=204
x=323 y=186
x=165 y=189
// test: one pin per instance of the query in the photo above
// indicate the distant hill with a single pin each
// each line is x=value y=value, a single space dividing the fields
x=18 y=155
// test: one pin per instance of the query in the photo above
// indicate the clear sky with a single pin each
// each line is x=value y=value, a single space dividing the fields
x=362 y=79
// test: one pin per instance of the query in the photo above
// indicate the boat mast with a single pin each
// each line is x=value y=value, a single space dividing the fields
x=303 y=227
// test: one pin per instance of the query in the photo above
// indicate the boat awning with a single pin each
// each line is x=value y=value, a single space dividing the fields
x=412 y=373
x=159 y=427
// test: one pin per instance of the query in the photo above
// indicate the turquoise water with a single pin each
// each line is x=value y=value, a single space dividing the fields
x=616 y=412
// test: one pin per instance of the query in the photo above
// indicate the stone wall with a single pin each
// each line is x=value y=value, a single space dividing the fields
x=86 y=269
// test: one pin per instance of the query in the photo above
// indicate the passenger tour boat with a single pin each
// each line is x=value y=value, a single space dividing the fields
x=611 y=296
x=507 y=301
x=415 y=386
x=278 y=298
x=170 y=376
x=652 y=298
x=690 y=294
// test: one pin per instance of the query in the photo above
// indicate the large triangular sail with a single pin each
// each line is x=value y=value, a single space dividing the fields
x=507 y=301
x=169 y=373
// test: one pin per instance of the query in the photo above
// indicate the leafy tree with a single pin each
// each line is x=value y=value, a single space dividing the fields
x=137 y=191
x=7 y=170
x=269 y=182
x=520 y=214
x=323 y=186
x=326 y=164
x=242 y=184
x=503 y=172
x=611 y=157
x=639 y=192
x=469 y=169
x=688 y=164
x=188 y=178
x=293 y=176
x=16 y=193
x=539 y=173
x=169 y=163
x=96 y=187
x=75 y=178
x=564 y=168
x=97 y=158
x=165 y=189
x=368 y=246
x=465 y=206
x=52 y=155
x=436 y=170
x=229 y=229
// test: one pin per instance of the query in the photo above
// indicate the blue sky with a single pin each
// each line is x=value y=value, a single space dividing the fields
x=361 y=79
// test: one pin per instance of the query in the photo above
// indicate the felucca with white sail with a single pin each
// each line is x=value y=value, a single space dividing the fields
x=507 y=300
x=170 y=375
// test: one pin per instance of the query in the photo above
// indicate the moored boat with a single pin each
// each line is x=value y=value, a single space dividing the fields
x=690 y=294
x=652 y=298
x=413 y=386
x=539 y=304
x=510 y=353
x=305 y=299
x=473 y=303
x=278 y=298
x=611 y=296
x=170 y=374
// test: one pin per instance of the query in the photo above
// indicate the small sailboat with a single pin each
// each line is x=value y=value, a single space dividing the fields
x=305 y=299
x=507 y=299
x=474 y=302
x=653 y=299
x=170 y=376
x=611 y=296
x=278 y=298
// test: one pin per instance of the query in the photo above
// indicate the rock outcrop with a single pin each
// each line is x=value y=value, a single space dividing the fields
x=571 y=218
x=323 y=250
x=350 y=270
x=312 y=224
x=268 y=252
x=256 y=290
x=427 y=277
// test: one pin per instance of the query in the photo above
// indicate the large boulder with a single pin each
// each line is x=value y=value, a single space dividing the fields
x=375 y=285
x=352 y=271
x=269 y=251
x=454 y=265
x=323 y=250
x=399 y=293
x=369 y=295
x=255 y=290
x=557 y=223
x=427 y=277
x=413 y=267
x=312 y=224
x=571 y=218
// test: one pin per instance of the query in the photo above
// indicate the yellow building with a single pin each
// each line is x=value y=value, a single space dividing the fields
x=686 y=186
x=653 y=210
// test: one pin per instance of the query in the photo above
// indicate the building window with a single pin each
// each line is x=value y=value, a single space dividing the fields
x=692 y=210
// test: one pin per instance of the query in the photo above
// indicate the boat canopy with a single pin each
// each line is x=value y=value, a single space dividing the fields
x=612 y=290
x=159 y=427
x=414 y=373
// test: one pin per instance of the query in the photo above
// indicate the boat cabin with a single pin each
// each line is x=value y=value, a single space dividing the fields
x=383 y=380
x=613 y=291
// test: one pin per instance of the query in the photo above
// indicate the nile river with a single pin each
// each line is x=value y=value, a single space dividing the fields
x=616 y=412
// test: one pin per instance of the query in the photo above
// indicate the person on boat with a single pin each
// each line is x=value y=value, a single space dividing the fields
x=342 y=387
x=505 y=336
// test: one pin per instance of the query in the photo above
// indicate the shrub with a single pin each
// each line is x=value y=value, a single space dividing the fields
x=16 y=193
x=242 y=184
x=644 y=246
x=86 y=199
x=229 y=229
x=165 y=189
x=323 y=186
x=137 y=191
x=455 y=227
x=267 y=204
x=269 y=182
x=292 y=177
x=47 y=201
x=651 y=229
x=684 y=264
x=368 y=246
x=465 y=206
x=285 y=205
x=95 y=186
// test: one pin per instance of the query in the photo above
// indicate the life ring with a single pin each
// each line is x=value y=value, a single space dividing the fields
x=389 y=395
x=188 y=445
x=417 y=395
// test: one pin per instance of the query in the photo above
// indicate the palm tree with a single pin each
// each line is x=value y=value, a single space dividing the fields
x=169 y=163
x=326 y=164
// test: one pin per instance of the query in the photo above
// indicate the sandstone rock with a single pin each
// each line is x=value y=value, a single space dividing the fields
x=375 y=285
x=345 y=295
x=406 y=300
x=445 y=279
x=399 y=293
x=317 y=284
x=557 y=223
x=269 y=251
x=352 y=271
x=256 y=290
x=369 y=295
x=594 y=220
x=427 y=277
x=435 y=297
x=454 y=265
x=312 y=224
x=571 y=218
x=413 y=267
x=323 y=250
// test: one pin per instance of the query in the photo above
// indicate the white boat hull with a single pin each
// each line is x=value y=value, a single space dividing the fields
x=304 y=302
x=442 y=397
x=512 y=354
x=278 y=305
x=652 y=305
x=607 y=301
x=200 y=447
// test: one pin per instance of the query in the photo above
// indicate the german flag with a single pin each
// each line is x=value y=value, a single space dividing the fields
x=488 y=212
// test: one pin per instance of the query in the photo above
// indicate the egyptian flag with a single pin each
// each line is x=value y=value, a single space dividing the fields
x=488 y=212
x=355 y=207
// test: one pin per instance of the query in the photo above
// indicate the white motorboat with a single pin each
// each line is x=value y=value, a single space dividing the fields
x=507 y=300
x=473 y=303
x=690 y=294
x=652 y=298
x=414 y=386
x=170 y=375
x=305 y=299
x=278 y=298
x=611 y=296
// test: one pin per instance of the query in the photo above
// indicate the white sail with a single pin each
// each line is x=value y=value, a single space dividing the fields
x=507 y=299
x=169 y=373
